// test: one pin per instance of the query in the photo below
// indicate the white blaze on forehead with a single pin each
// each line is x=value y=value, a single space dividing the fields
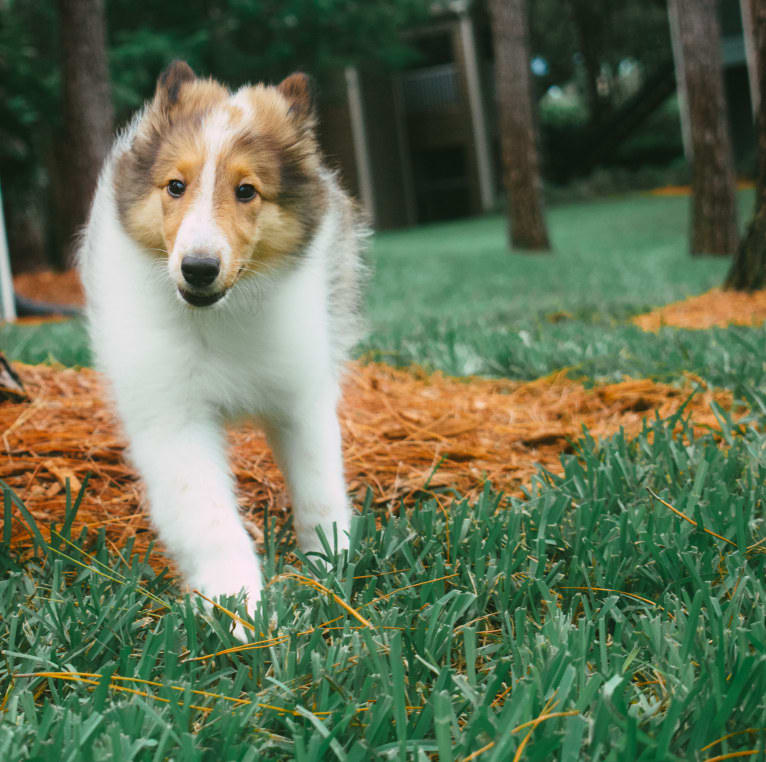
x=199 y=232
x=242 y=101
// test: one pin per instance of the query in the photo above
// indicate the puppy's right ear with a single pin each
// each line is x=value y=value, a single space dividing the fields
x=170 y=83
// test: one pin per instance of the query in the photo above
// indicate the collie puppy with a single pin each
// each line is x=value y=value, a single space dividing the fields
x=221 y=264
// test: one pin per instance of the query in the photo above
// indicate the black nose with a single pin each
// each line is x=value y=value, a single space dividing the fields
x=200 y=271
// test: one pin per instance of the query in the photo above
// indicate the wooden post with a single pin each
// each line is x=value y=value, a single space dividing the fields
x=481 y=140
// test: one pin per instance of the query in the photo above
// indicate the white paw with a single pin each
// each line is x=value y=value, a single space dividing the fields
x=310 y=542
x=231 y=576
x=336 y=535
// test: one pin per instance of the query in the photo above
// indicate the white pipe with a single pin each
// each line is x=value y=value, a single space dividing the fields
x=7 y=306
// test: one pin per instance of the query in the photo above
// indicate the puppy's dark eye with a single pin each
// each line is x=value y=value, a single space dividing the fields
x=245 y=192
x=176 y=188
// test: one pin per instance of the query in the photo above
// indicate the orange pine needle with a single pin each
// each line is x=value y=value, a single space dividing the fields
x=319 y=586
x=686 y=518
x=732 y=735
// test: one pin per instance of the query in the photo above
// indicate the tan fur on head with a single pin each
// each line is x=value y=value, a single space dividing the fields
x=261 y=136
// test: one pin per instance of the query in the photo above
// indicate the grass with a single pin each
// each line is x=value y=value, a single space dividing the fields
x=589 y=599
x=451 y=296
x=614 y=612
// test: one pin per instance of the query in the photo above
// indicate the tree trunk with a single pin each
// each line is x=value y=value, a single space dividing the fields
x=714 y=211
x=87 y=106
x=748 y=270
x=586 y=18
x=521 y=166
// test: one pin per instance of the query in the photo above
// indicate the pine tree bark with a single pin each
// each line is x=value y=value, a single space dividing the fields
x=518 y=139
x=714 y=212
x=87 y=106
x=586 y=16
x=748 y=270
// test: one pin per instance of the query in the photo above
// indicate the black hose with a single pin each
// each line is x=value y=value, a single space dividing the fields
x=32 y=308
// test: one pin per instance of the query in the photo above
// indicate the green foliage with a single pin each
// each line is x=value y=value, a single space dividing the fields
x=65 y=342
x=636 y=31
x=241 y=41
x=587 y=597
x=599 y=55
x=29 y=91
x=237 y=41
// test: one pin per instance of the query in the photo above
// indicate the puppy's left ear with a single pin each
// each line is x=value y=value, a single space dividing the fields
x=297 y=90
x=169 y=84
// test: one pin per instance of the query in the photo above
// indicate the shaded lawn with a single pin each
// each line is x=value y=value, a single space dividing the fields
x=612 y=258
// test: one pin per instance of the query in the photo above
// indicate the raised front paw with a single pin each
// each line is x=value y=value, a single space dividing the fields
x=323 y=541
x=231 y=577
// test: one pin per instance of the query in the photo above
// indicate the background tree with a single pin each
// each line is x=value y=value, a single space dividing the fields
x=88 y=112
x=238 y=41
x=748 y=270
x=518 y=138
x=611 y=65
x=714 y=212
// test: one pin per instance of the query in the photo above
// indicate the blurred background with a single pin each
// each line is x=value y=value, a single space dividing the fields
x=409 y=92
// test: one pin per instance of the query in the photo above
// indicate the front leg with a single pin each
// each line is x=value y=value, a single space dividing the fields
x=193 y=506
x=307 y=446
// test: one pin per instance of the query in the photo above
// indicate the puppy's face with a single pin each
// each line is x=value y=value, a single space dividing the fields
x=221 y=186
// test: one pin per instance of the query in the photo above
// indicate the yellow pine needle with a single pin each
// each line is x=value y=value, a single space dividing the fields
x=620 y=592
x=95 y=677
x=73 y=677
x=544 y=717
x=550 y=704
x=534 y=723
x=268 y=642
x=254 y=646
x=731 y=735
x=383 y=574
x=319 y=586
x=91 y=678
x=409 y=587
x=500 y=696
x=226 y=611
x=732 y=755
x=476 y=753
x=7 y=695
x=84 y=552
x=86 y=566
x=686 y=518
x=119 y=580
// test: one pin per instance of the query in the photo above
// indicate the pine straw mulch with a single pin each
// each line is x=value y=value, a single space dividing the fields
x=405 y=434
x=51 y=286
x=714 y=308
